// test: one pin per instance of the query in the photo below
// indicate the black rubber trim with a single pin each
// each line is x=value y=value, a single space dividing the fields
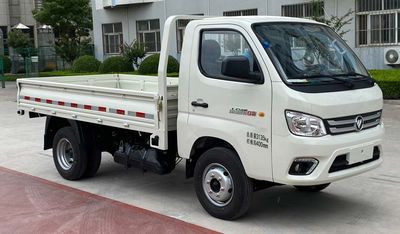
x=376 y=156
x=334 y=86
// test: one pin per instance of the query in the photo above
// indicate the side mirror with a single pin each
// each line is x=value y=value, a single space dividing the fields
x=239 y=67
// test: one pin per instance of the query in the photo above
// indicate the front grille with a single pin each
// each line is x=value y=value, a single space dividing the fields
x=348 y=124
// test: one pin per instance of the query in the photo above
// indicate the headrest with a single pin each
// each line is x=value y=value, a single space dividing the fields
x=210 y=50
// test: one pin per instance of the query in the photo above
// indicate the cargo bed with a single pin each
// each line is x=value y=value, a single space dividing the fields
x=122 y=101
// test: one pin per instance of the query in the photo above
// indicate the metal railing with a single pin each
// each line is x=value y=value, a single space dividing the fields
x=2 y=77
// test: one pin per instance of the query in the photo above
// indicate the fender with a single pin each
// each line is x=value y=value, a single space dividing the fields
x=53 y=124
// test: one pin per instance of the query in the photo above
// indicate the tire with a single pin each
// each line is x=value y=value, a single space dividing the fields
x=69 y=156
x=216 y=168
x=94 y=161
x=312 y=188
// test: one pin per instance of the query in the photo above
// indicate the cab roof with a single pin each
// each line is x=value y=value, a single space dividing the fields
x=258 y=19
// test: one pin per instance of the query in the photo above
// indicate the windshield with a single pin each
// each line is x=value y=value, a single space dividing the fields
x=301 y=51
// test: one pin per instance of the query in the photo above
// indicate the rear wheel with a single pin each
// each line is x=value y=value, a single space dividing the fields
x=221 y=184
x=70 y=158
x=312 y=188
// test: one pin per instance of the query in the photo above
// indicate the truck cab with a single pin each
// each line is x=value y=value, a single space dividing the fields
x=287 y=95
x=260 y=101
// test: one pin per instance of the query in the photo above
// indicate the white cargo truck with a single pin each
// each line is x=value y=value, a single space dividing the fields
x=260 y=101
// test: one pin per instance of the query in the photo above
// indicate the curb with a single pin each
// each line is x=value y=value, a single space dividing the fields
x=391 y=102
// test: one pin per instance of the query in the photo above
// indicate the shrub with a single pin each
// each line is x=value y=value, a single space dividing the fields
x=116 y=64
x=134 y=52
x=150 y=65
x=6 y=63
x=86 y=63
x=388 y=81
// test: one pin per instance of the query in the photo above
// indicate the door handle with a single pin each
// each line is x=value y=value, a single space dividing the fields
x=200 y=104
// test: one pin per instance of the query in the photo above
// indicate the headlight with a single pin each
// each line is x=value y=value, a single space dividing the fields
x=305 y=125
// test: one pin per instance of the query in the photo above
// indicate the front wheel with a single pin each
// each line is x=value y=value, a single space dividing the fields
x=221 y=184
x=312 y=188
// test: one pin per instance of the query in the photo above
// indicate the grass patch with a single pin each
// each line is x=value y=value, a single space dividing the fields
x=66 y=73
x=388 y=81
x=13 y=77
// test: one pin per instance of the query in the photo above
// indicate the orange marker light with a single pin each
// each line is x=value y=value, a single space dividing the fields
x=261 y=114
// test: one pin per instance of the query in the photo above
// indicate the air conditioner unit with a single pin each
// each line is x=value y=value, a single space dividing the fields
x=392 y=56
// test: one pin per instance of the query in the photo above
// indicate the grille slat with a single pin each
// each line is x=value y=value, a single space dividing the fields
x=340 y=122
x=375 y=116
x=346 y=124
x=342 y=130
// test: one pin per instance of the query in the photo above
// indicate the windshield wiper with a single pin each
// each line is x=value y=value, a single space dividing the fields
x=351 y=74
x=345 y=81
x=356 y=74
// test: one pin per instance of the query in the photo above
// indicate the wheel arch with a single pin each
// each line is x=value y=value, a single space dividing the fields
x=53 y=124
x=200 y=146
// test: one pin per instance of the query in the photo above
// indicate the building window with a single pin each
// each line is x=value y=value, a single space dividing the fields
x=304 y=10
x=38 y=4
x=241 y=12
x=149 y=34
x=4 y=29
x=180 y=33
x=112 y=38
x=377 y=22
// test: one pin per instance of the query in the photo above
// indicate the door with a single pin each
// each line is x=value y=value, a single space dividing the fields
x=230 y=95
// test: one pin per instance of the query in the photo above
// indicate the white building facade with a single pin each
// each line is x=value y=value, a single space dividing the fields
x=13 y=12
x=375 y=25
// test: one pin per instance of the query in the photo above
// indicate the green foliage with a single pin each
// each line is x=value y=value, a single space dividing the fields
x=21 y=42
x=66 y=73
x=150 y=65
x=335 y=22
x=18 y=39
x=86 y=63
x=26 y=52
x=388 y=81
x=71 y=20
x=134 y=52
x=116 y=64
x=6 y=63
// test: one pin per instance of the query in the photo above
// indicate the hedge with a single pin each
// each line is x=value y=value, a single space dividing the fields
x=6 y=63
x=86 y=63
x=388 y=81
x=116 y=64
x=150 y=65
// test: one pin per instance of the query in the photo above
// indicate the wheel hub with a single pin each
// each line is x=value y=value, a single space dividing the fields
x=218 y=184
x=65 y=154
x=215 y=185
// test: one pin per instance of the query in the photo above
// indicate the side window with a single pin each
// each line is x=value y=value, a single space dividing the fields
x=225 y=54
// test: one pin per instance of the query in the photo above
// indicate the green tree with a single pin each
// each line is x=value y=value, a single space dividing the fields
x=18 y=39
x=71 y=21
x=333 y=21
x=20 y=42
x=134 y=52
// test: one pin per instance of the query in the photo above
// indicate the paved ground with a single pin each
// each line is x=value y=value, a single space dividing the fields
x=32 y=205
x=368 y=203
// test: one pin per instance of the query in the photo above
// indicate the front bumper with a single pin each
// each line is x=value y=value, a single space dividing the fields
x=325 y=150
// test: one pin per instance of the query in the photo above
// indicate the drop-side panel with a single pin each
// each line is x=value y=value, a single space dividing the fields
x=88 y=99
